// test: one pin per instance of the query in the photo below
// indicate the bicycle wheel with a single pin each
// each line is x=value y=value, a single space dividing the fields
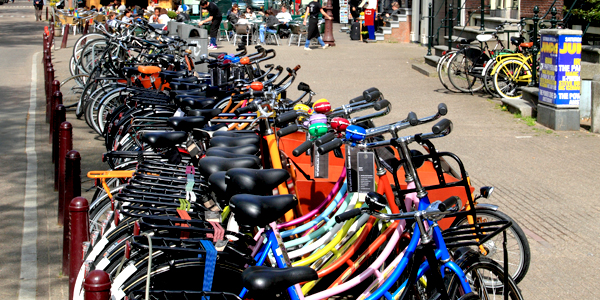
x=72 y=89
x=82 y=41
x=510 y=76
x=488 y=78
x=459 y=68
x=486 y=278
x=442 y=69
x=519 y=255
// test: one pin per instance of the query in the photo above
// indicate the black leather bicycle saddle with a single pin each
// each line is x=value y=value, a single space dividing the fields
x=165 y=139
x=256 y=182
x=187 y=124
x=245 y=149
x=234 y=133
x=225 y=154
x=227 y=141
x=255 y=210
x=207 y=113
x=196 y=103
x=218 y=186
x=263 y=281
x=212 y=164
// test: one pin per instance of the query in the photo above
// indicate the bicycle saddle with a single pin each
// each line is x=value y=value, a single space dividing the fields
x=225 y=154
x=261 y=280
x=258 y=182
x=234 y=133
x=516 y=40
x=227 y=141
x=484 y=37
x=466 y=41
x=197 y=92
x=193 y=79
x=206 y=113
x=526 y=45
x=187 y=124
x=245 y=149
x=217 y=54
x=178 y=86
x=196 y=103
x=255 y=210
x=165 y=139
x=212 y=164
x=149 y=69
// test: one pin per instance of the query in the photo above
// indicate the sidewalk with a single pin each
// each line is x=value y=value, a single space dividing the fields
x=545 y=180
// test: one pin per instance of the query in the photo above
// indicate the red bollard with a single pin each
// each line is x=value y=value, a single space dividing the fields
x=45 y=40
x=55 y=100
x=72 y=190
x=79 y=233
x=49 y=90
x=60 y=115
x=97 y=286
x=65 y=139
x=85 y=28
x=65 y=37
x=45 y=60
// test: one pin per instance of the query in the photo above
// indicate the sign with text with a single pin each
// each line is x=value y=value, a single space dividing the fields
x=560 y=65
x=344 y=11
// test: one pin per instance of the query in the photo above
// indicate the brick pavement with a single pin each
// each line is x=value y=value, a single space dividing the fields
x=545 y=180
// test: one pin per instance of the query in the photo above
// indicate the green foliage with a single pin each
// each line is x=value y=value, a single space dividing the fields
x=588 y=11
x=172 y=14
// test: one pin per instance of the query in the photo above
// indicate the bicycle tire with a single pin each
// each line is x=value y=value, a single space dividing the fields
x=84 y=40
x=516 y=243
x=475 y=268
x=442 y=69
x=72 y=88
x=504 y=81
x=458 y=74
x=488 y=80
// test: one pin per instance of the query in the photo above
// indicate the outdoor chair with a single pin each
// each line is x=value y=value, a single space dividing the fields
x=297 y=31
x=242 y=30
x=273 y=35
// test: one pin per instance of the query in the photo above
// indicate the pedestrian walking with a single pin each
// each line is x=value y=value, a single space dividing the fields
x=214 y=17
x=312 y=15
x=38 y=5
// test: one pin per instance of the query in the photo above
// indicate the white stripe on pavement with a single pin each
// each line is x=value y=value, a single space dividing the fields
x=28 y=277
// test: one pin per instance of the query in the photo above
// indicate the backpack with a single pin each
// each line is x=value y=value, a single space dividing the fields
x=355 y=31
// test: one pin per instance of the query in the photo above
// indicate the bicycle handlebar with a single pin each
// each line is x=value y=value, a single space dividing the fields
x=302 y=148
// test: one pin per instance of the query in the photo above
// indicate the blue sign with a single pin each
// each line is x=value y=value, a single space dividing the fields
x=560 y=64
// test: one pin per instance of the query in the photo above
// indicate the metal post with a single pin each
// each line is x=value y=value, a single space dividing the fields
x=79 y=233
x=534 y=48
x=450 y=25
x=553 y=19
x=65 y=145
x=458 y=8
x=72 y=189
x=482 y=27
x=60 y=115
x=54 y=101
x=97 y=285
x=328 y=34
x=65 y=36
x=49 y=79
x=430 y=29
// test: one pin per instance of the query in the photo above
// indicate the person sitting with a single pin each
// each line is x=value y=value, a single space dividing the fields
x=112 y=20
x=154 y=18
x=284 y=18
x=163 y=18
x=269 y=25
x=249 y=13
x=242 y=20
x=127 y=17
x=93 y=8
x=182 y=15
x=234 y=15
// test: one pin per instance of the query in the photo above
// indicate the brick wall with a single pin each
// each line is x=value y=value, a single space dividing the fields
x=544 y=5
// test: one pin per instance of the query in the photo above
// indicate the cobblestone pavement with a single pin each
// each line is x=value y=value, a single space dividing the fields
x=544 y=179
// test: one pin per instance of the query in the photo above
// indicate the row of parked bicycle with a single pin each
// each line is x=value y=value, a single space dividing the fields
x=499 y=71
x=202 y=196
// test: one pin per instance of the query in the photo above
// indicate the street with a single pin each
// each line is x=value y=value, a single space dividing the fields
x=545 y=180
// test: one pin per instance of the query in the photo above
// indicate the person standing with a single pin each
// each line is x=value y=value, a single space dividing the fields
x=312 y=14
x=38 y=5
x=214 y=17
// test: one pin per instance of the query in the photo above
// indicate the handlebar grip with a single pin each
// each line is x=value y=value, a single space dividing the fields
x=286 y=117
x=442 y=126
x=442 y=109
x=359 y=98
x=279 y=68
x=302 y=148
x=345 y=216
x=412 y=119
x=287 y=130
x=248 y=108
x=297 y=67
x=372 y=95
x=371 y=89
x=336 y=143
x=381 y=104
x=328 y=137
x=268 y=66
x=448 y=203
